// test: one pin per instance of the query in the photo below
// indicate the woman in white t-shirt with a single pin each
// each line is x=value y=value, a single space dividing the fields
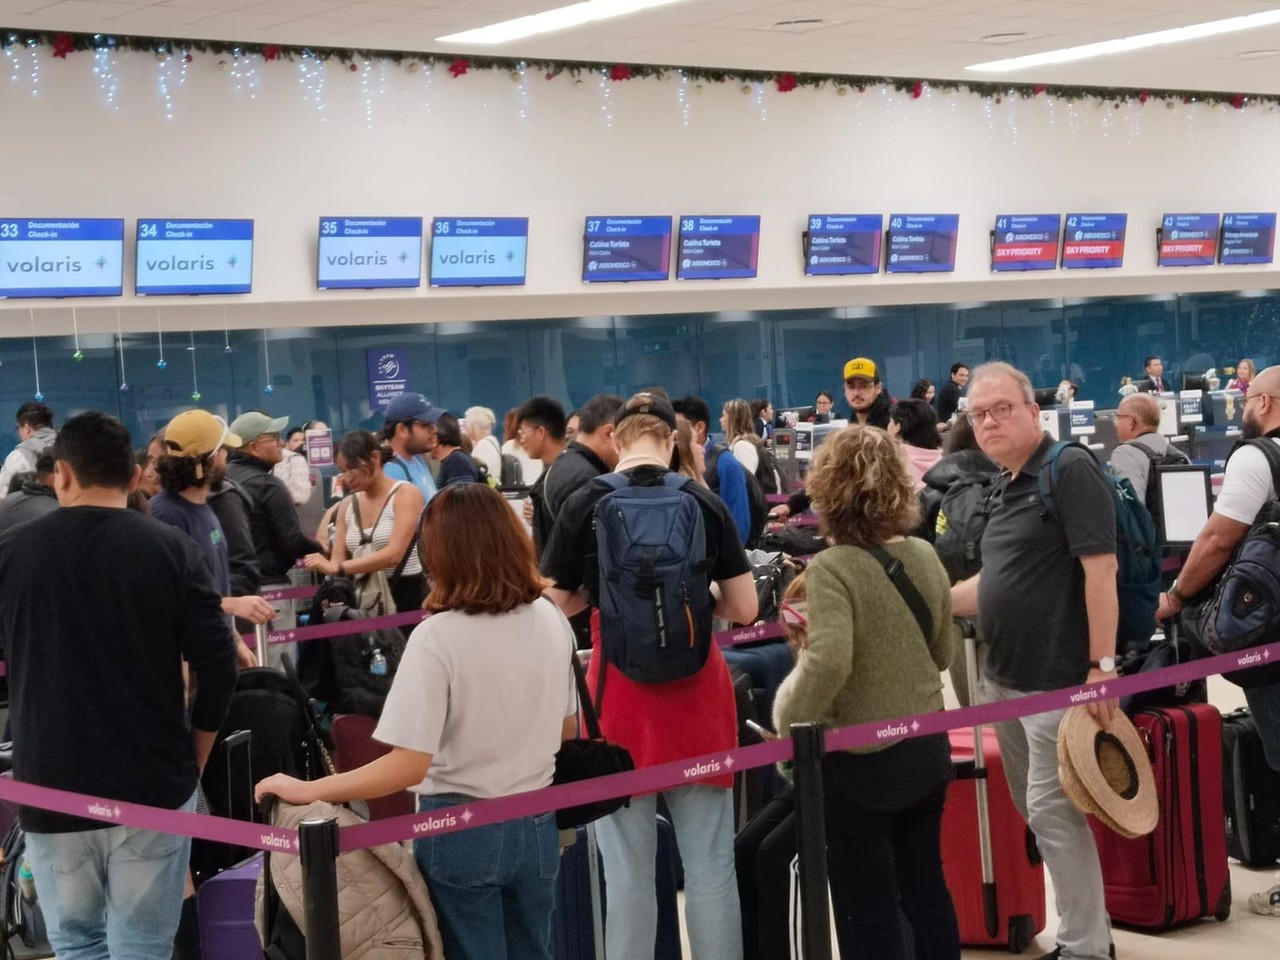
x=480 y=704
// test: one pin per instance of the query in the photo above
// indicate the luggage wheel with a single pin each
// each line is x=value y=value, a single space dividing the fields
x=1022 y=930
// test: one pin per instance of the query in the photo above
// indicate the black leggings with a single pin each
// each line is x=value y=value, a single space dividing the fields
x=884 y=857
x=763 y=853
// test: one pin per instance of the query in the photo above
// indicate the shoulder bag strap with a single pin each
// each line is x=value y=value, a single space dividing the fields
x=353 y=513
x=589 y=716
x=898 y=574
x=1269 y=449
x=413 y=544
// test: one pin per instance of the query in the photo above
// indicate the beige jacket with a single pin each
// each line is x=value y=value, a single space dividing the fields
x=384 y=910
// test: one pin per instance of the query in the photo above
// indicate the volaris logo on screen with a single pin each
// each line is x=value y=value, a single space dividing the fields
x=61 y=258
x=468 y=251
x=194 y=256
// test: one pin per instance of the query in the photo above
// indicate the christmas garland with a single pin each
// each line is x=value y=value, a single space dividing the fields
x=64 y=44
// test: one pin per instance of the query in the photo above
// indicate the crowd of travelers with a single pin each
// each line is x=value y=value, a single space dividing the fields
x=121 y=634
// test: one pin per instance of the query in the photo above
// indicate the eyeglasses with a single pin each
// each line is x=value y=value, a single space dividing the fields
x=999 y=413
x=796 y=614
x=1252 y=395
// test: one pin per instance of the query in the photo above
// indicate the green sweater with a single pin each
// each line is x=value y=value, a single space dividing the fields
x=866 y=659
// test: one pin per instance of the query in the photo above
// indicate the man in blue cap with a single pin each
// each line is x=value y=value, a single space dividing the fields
x=410 y=431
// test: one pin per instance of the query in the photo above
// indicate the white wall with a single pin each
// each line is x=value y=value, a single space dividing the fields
x=427 y=144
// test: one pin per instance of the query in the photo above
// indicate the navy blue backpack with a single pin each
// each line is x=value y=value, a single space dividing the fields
x=654 y=594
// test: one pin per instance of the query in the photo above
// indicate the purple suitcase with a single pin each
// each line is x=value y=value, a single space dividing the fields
x=225 y=904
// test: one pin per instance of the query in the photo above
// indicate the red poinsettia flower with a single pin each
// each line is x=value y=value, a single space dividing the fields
x=620 y=72
x=1143 y=97
x=62 y=45
x=1238 y=101
x=1039 y=89
x=787 y=82
x=460 y=66
x=917 y=91
x=271 y=51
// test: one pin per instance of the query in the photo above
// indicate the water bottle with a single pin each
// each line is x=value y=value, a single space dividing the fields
x=27 y=882
x=378 y=663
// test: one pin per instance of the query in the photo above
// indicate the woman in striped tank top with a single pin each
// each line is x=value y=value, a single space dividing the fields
x=384 y=520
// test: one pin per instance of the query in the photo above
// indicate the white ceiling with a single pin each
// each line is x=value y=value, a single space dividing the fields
x=908 y=38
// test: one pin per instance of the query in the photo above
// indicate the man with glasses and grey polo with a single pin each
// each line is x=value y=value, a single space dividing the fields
x=273 y=521
x=1064 y=565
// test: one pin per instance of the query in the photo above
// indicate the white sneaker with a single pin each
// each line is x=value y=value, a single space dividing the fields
x=1266 y=902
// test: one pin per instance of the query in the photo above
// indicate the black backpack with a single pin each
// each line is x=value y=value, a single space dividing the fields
x=758 y=504
x=961 y=521
x=341 y=672
x=1151 y=495
x=20 y=921
x=767 y=471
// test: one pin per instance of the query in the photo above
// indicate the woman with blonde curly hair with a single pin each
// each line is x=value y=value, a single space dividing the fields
x=870 y=659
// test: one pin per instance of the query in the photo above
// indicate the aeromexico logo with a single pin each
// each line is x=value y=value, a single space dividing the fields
x=432 y=824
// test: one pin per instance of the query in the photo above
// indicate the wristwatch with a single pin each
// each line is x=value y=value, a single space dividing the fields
x=1176 y=594
x=1106 y=664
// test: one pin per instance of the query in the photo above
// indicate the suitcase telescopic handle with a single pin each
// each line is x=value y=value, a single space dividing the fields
x=990 y=902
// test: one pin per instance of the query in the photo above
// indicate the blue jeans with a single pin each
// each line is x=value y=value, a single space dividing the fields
x=110 y=894
x=628 y=839
x=493 y=887
x=1264 y=704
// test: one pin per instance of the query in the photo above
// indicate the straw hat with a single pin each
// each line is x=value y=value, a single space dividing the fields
x=1106 y=773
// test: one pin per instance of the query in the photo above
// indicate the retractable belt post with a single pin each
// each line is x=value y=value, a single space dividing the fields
x=811 y=840
x=318 y=843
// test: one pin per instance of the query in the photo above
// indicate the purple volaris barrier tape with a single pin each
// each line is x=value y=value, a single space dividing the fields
x=290 y=593
x=343 y=628
x=323 y=631
x=677 y=773
x=632 y=783
x=120 y=814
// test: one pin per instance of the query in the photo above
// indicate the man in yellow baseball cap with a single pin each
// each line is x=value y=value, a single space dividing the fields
x=865 y=393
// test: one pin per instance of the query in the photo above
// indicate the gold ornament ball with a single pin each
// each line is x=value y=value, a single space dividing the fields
x=515 y=76
x=699 y=88
x=746 y=88
x=842 y=91
x=413 y=66
x=578 y=82
x=222 y=65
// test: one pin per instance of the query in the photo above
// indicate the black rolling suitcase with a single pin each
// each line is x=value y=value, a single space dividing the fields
x=573 y=925
x=1250 y=793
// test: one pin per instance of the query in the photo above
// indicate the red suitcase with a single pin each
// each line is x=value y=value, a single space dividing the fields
x=1000 y=897
x=1179 y=871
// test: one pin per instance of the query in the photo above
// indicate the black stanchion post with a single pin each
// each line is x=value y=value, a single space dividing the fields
x=318 y=840
x=811 y=840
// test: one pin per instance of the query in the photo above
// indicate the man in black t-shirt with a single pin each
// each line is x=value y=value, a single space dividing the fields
x=1063 y=566
x=102 y=605
x=948 y=399
x=541 y=422
x=590 y=455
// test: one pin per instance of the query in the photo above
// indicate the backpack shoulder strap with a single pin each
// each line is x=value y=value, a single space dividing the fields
x=902 y=581
x=615 y=481
x=1270 y=449
x=1048 y=482
x=676 y=481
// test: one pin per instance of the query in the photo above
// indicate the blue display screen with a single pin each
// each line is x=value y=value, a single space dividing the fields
x=1248 y=238
x=1026 y=242
x=61 y=258
x=840 y=244
x=626 y=248
x=1188 y=240
x=479 y=252
x=922 y=243
x=194 y=257
x=718 y=248
x=1094 y=240
x=369 y=252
